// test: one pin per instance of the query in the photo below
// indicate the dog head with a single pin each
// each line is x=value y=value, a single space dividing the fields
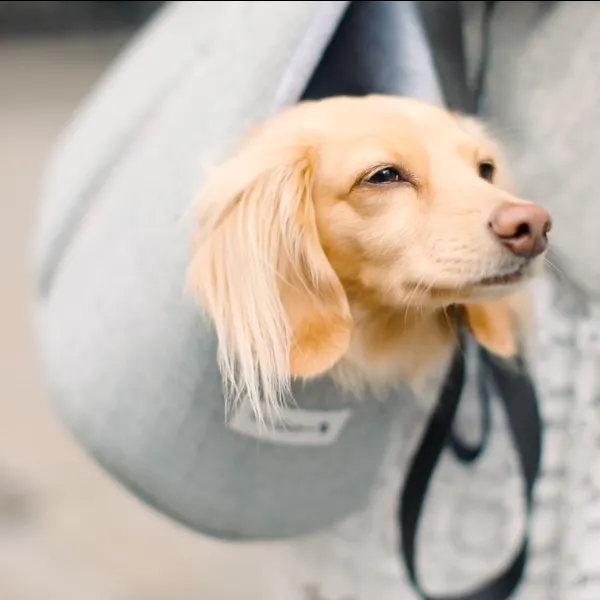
x=350 y=206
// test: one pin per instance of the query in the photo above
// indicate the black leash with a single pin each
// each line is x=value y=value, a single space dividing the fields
x=515 y=389
x=512 y=384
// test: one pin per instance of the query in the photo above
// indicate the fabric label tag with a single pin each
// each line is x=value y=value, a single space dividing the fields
x=294 y=426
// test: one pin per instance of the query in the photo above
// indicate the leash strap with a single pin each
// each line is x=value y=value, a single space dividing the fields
x=516 y=391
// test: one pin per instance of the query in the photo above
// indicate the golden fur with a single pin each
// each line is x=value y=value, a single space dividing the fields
x=305 y=268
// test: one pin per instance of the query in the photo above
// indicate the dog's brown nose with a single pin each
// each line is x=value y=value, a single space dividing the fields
x=522 y=228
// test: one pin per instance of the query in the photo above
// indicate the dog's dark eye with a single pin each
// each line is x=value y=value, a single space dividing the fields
x=384 y=176
x=487 y=170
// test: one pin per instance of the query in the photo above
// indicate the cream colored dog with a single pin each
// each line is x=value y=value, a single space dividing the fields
x=336 y=239
x=340 y=232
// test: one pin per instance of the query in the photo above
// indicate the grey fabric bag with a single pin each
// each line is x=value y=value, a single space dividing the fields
x=112 y=262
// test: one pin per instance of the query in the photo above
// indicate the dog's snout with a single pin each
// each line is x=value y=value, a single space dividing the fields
x=522 y=228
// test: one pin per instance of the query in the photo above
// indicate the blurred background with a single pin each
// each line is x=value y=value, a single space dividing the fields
x=67 y=531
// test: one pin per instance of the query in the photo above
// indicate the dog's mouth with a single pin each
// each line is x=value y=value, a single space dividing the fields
x=493 y=283
x=511 y=278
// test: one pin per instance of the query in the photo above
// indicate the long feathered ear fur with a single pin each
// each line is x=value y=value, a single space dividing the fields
x=502 y=326
x=259 y=270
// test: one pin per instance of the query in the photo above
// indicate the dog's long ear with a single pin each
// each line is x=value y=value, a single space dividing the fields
x=500 y=326
x=260 y=271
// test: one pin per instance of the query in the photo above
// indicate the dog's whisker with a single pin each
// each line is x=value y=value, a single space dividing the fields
x=556 y=269
x=409 y=303
x=427 y=290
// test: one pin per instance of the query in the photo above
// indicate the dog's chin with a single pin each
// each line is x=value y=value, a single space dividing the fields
x=508 y=281
x=488 y=291
x=493 y=286
x=500 y=285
